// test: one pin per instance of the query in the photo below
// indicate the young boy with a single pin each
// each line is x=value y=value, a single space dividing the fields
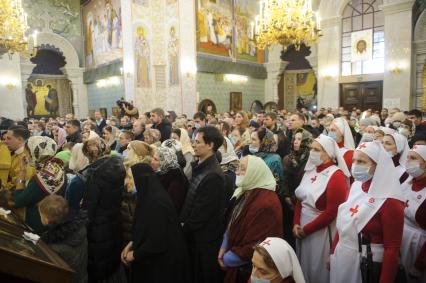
x=66 y=233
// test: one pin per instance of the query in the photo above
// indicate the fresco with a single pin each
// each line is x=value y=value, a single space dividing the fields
x=245 y=12
x=214 y=27
x=142 y=57
x=58 y=16
x=103 y=32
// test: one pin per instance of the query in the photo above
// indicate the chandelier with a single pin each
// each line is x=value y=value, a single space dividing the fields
x=286 y=22
x=13 y=26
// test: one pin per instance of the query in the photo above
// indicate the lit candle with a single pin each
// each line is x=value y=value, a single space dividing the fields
x=252 y=30
x=318 y=20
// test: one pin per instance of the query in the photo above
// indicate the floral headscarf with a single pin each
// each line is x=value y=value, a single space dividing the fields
x=298 y=157
x=168 y=159
x=50 y=173
x=103 y=149
x=268 y=143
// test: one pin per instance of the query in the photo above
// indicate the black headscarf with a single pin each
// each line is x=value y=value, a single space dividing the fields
x=157 y=237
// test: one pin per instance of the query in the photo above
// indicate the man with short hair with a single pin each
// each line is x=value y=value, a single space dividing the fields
x=202 y=213
x=260 y=117
x=316 y=125
x=416 y=116
x=100 y=122
x=124 y=138
x=73 y=130
x=139 y=129
x=200 y=120
x=16 y=137
x=161 y=123
x=270 y=122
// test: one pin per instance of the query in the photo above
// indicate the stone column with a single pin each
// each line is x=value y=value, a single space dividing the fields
x=128 y=50
x=274 y=68
x=398 y=42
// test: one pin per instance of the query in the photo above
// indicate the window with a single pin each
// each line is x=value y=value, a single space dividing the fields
x=363 y=15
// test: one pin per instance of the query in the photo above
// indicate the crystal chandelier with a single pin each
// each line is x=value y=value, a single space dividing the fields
x=286 y=22
x=13 y=26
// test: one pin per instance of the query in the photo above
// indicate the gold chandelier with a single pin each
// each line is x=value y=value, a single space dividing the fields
x=13 y=26
x=286 y=22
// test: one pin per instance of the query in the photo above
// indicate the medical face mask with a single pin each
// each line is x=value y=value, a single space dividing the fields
x=333 y=135
x=361 y=173
x=396 y=124
x=403 y=131
x=413 y=168
x=253 y=149
x=315 y=158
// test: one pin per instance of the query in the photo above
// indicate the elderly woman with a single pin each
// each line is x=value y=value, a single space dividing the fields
x=371 y=218
x=153 y=137
x=396 y=145
x=109 y=133
x=104 y=180
x=229 y=165
x=275 y=261
x=413 y=247
x=176 y=146
x=188 y=152
x=323 y=188
x=256 y=214
x=172 y=178
x=49 y=179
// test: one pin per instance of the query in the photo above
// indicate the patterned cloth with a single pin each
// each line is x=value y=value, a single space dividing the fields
x=268 y=143
x=168 y=159
x=50 y=173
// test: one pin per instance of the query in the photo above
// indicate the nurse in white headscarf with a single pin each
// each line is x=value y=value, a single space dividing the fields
x=375 y=211
x=397 y=147
x=323 y=188
x=275 y=261
x=413 y=248
x=341 y=132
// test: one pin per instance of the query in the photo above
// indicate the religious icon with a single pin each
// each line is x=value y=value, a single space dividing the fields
x=362 y=45
x=51 y=101
x=31 y=98
x=173 y=49
x=142 y=58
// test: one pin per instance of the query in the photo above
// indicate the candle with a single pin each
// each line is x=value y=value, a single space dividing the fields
x=318 y=20
x=252 y=30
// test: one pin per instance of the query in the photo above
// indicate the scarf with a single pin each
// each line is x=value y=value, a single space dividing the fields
x=299 y=157
x=50 y=173
x=168 y=159
x=268 y=143
x=186 y=142
x=258 y=176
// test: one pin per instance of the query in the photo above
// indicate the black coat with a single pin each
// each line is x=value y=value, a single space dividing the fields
x=165 y=129
x=158 y=244
x=69 y=240
x=104 y=181
x=75 y=138
x=101 y=126
x=176 y=185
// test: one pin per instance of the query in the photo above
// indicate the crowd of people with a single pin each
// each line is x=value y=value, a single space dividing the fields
x=285 y=196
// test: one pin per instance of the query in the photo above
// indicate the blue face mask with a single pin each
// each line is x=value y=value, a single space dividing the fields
x=333 y=135
x=258 y=280
x=253 y=149
x=361 y=173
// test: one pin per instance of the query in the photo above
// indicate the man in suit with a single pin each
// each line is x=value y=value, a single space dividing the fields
x=100 y=122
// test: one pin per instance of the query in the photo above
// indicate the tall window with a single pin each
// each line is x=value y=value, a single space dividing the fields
x=361 y=15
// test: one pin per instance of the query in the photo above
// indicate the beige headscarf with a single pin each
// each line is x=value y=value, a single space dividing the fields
x=186 y=142
x=258 y=176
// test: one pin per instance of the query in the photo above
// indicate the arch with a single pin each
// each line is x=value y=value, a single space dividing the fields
x=256 y=106
x=270 y=106
x=420 y=27
x=63 y=44
x=203 y=105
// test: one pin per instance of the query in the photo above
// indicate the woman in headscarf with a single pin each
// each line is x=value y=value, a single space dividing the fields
x=373 y=215
x=229 y=164
x=294 y=168
x=158 y=250
x=75 y=189
x=49 y=179
x=109 y=133
x=187 y=151
x=413 y=247
x=171 y=175
x=340 y=131
x=323 y=188
x=104 y=180
x=275 y=261
x=256 y=214
x=397 y=147
x=176 y=146
x=263 y=145
x=59 y=135
x=88 y=135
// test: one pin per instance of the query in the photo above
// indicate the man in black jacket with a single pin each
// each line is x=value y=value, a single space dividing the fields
x=270 y=122
x=73 y=130
x=100 y=122
x=160 y=123
x=202 y=215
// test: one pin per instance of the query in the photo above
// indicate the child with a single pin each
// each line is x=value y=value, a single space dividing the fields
x=66 y=233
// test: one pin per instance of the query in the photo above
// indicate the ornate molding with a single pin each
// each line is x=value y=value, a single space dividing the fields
x=393 y=8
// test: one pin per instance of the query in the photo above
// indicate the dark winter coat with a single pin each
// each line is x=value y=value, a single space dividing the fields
x=176 y=184
x=69 y=240
x=102 y=200
x=128 y=207
x=165 y=129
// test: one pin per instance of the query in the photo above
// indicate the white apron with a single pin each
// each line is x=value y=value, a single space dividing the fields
x=401 y=170
x=343 y=150
x=352 y=217
x=313 y=251
x=414 y=236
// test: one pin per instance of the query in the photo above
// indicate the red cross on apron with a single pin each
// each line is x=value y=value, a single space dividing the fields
x=313 y=179
x=267 y=242
x=361 y=146
x=354 y=210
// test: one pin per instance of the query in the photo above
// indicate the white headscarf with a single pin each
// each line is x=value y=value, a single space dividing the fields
x=186 y=142
x=385 y=182
x=284 y=257
x=78 y=160
x=93 y=135
x=421 y=150
x=333 y=151
x=345 y=130
x=402 y=147
x=229 y=155
x=387 y=131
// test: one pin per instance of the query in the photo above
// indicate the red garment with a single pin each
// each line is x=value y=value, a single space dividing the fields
x=261 y=217
x=417 y=186
x=348 y=155
x=286 y=280
x=335 y=194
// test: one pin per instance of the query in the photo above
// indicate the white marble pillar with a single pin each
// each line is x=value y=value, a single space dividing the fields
x=398 y=42
x=128 y=50
x=12 y=93
x=274 y=68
